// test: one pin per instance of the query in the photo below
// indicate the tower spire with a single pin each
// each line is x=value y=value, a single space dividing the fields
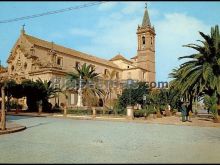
x=146 y=19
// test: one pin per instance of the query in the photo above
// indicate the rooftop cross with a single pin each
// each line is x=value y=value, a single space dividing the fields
x=146 y=19
x=23 y=26
x=22 y=30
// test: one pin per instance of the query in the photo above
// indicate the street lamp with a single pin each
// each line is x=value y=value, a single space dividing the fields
x=144 y=100
x=129 y=82
x=130 y=113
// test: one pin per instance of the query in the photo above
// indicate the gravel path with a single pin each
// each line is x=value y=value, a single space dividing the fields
x=56 y=140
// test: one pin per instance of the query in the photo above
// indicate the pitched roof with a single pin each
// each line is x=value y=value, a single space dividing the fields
x=3 y=69
x=134 y=57
x=146 y=19
x=119 y=57
x=48 y=45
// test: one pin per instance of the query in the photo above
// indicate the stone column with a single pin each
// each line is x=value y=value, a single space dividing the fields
x=65 y=110
x=25 y=103
x=79 y=100
x=93 y=112
x=130 y=112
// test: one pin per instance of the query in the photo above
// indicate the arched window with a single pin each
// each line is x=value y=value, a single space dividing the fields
x=77 y=64
x=143 y=40
x=117 y=75
x=105 y=71
x=151 y=40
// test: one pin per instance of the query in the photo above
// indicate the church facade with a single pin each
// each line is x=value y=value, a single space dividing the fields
x=34 y=58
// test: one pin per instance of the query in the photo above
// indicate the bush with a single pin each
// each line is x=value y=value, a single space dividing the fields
x=139 y=113
x=118 y=109
x=79 y=111
x=144 y=112
x=15 y=105
x=56 y=108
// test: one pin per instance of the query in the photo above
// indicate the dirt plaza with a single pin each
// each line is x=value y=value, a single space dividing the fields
x=59 y=140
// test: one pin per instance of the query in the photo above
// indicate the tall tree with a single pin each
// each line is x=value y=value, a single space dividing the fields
x=201 y=73
x=109 y=78
x=91 y=92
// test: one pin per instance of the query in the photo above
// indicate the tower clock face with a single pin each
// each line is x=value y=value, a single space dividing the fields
x=143 y=47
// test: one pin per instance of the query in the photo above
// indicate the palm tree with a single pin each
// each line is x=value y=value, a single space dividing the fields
x=201 y=73
x=90 y=94
x=109 y=77
x=47 y=91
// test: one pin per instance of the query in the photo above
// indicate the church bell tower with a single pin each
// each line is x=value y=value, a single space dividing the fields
x=146 y=47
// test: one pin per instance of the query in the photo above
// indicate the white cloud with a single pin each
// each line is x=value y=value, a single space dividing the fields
x=116 y=32
x=174 y=31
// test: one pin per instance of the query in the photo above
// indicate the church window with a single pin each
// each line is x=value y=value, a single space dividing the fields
x=12 y=67
x=105 y=71
x=117 y=75
x=128 y=66
x=59 y=61
x=77 y=64
x=143 y=40
x=151 y=40
x=25 y=65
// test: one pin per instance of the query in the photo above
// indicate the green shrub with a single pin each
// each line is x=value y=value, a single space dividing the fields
x=79 y=111
x=15 y=105
x=118 y=109
x=139 y=113
x=145 y=112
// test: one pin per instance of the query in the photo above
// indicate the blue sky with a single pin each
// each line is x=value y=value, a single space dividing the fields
x=107 y=29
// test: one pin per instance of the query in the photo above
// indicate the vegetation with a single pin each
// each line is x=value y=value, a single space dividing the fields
x=211 y=104
x=133 y=96
x=109 y=77
x=91 y=93
x=200 y=75
x=35 y=92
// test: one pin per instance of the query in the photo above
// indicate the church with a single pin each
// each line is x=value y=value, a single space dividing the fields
x=34 y=58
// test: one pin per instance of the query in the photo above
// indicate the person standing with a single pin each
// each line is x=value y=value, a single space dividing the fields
x=188 y=110
x=183 y=111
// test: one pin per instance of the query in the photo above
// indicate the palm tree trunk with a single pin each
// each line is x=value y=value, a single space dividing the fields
x=3 y=117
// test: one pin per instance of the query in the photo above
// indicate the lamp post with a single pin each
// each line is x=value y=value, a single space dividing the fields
x=144 y=100
x=130 y=112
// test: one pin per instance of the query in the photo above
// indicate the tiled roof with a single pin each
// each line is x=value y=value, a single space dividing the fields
x=2 y=69
x=119 y=57
x=134 y=57
x=48 y=45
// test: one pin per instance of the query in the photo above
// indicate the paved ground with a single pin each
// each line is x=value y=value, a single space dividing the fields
x=12 y=127
x=55 y=140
